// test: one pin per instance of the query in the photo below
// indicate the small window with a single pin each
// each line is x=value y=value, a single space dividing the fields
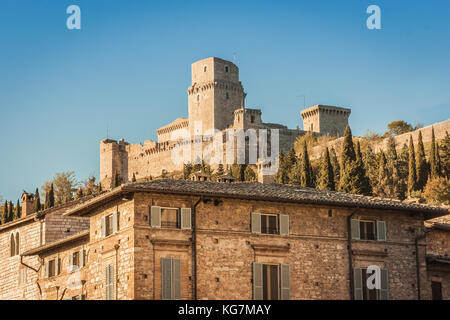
x=252 y=119
x=436 y=290
x=170 y=217
x=227 y=95
x=367 y=230
x=52 y=268
x=226 y=68
x=198 y=97
x=108 y=225
x=204 y=69
x=76 y=259
x=269 y=223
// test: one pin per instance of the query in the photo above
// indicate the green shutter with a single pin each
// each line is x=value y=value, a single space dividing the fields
x=166 y=278
x=257 y=281
x=384 y=292
x=176 y=278
x=186 y=218
x=103 y=227
x=107 y=277
x=256 y=222
x=155 y=216
x=284 y=224
x=355 y=229
x=285 y=282
x=357 y=284
x=115 y=222
x=381 y=231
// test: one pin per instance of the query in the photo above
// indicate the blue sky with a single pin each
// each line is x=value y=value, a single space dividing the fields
x=129 y=68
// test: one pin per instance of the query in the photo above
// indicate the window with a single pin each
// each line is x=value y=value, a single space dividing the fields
x=13 y=246
x=110 y=224
x=17 y=243
x=204 y=69
x=76 y=259
x=227 y=95
x=179 y=218
x=436 y=290
x=368 y=230
x=362 y=292
x=170 y=218
x=52 y=268
x=170 y=279
x=271 y=281
x=270 y=223
x=226 y=68
x=252 y=119
x=198 y=97
x=109 y=282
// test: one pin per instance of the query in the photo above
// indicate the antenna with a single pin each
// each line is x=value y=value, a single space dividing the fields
x=234 y=57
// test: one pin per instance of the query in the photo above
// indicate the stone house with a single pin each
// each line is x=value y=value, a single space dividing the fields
x=176 y=239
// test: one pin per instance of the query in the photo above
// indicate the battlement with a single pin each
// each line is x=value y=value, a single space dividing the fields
x=325 y=119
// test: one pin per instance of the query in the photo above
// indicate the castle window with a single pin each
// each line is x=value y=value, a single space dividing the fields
x=227 y=95
x=252 y=119
x=226 y=68
x=13 y=246
x=204 y=69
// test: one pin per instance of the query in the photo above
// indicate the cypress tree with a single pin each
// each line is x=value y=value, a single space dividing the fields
x=17 y=212
x=336 y=166
x=281 y=175
x=348 y=150
x=358 y=151
x=10 y=211
x=445 y=160
x=370 y=165
x=412 y=177
x=237 y=171
x=37 y=201
x=434 y=170
x=249 y=174
x=384 y=183
x=326 y=177
x=5 y=213
x=187 y=170
x=51 y=197
x=421 y=163
x=391 y=151
x=306 y=176
x=438 y=161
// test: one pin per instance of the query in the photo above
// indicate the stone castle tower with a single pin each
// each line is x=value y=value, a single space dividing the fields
x=327 y=120
x=216 y=99
x=215 y=94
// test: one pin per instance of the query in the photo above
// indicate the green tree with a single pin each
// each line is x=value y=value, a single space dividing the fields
x=434 y=167
x=37 y=201
x=370 y=165
x=335 y=164
x=348 y=154
x=306 y=174
x=237 y=171
x=281 y=175
x=187 y=170
x=412 y=176
x=249 y=174
x=64 y=185
x=4 y=216
x=384 y=183
x=398 y=127
x=17 y=211
x=421 y=165
x=10 y=211
x=391 y=151
x=80 y=193
x=50 y=198
x=445 y=157
x=326 y=176
x=437 y=191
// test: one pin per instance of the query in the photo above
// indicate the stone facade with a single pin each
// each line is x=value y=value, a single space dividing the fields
x=216 y=250
x=216 y=100
x=327 y=120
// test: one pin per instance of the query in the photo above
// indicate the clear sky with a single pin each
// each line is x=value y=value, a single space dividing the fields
x=129 y=68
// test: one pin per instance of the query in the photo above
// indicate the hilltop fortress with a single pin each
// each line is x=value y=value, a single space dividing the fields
x=216 y=105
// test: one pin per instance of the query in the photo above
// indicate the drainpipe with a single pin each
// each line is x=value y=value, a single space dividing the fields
x=419 y=237
x=37 y=274
x=194 y=249
x=116 y=247
x=349 y=247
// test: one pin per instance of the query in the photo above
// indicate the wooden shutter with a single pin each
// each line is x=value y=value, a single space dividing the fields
x=46 y=269
x=186 y=218
x=284 y=224
x=285 y=282
x=57 y=266
x=381 y=231
x=71 y=261
x=109 y=280
x=166 y=278
x=355 y=229
x=357 y=284
x=257 y=281
x=115 y=222
x=81 y=258
x=155 y=216
x=176 y=279
x=103 y=227
x=384 y=292
x=256 y=222
x=107 y=277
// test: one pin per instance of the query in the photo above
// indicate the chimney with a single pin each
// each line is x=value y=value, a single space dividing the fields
x=27 y=204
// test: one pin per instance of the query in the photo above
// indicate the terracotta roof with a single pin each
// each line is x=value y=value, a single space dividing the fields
x=262 y=192
x=58 y=243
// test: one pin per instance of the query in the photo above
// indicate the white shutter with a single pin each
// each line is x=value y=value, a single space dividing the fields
x=256 y=222
x=71 y=261
x=357 y=284
x=284 y=224
x=57 y=266
x=155 y=216
x=46 y=269
x=381 y=231
x=285 y=282
x=186 y=217
x=355 y=232
x=115 y=222
x=384 y=292
x=257 y=281
x=81 y=258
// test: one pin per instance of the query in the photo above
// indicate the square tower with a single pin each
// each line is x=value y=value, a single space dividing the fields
x=327 y=120
x=214 y=95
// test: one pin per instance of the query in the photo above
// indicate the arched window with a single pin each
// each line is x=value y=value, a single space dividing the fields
x=13 y=246
x=17 y=244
